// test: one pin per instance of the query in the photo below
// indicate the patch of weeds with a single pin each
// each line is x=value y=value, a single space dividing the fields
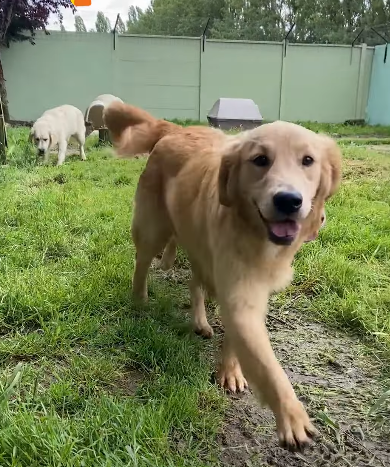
x=20 y=153
x=66 y=398
x=123 y=180
x=60 y=178
x=12 y=221
x=56 y=252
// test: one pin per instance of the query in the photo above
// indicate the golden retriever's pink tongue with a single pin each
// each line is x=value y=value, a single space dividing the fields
x=284 y=229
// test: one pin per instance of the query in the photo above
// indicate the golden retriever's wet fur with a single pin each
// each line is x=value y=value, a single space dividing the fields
x=217 y=196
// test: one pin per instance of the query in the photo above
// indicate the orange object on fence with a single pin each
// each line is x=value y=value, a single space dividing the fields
x=81 y=2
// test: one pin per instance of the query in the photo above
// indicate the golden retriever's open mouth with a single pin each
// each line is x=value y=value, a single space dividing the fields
x=281 y=232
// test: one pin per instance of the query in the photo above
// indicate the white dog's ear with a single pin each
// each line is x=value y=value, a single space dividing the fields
x=88 y=128
x=31 y=135
x=53 y=140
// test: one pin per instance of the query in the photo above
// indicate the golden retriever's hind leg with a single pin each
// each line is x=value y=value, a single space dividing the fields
x=142 y=265
x=169 y=255
x=148 y=242
x=199 y=317
x=151 y=230
x=230 y=374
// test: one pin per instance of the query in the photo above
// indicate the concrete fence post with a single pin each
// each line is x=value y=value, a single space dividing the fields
x=3 y=136
x=284 y=46
x=359 y=105
x=200 y=78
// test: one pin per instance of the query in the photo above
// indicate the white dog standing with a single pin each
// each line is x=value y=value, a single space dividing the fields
x=57 y=126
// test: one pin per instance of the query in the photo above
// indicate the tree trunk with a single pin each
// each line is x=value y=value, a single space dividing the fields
x=3 y=137
x=6 y=21
x=3 y=93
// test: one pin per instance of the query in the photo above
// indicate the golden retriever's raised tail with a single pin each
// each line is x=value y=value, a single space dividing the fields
x=133 y=130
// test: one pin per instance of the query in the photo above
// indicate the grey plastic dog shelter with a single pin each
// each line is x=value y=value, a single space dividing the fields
x=229 y=113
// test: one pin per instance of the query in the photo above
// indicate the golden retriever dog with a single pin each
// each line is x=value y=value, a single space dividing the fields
x=240 y=206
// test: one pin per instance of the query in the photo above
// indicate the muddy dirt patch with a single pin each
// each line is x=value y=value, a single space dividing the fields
x=334 y=375
x=382 y=148
x=129 y=383
x=338 y=383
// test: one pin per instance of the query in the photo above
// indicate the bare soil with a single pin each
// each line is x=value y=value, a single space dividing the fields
x=382 y=148
x=337 y=381
x=335 y=375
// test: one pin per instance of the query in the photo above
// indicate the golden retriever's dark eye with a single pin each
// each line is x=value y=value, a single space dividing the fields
x=261 y=161
x=307 y=161
x=45 y=139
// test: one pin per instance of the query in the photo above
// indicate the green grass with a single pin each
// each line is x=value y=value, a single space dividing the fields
x=334 y=129
x=65 y=311
x=340 y=129
x=363 y=141
x=106 y=383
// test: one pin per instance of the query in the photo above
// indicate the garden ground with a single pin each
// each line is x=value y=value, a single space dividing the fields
x=88 y=379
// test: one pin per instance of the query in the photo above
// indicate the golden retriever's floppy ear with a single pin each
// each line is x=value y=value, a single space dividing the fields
x=316 y=221
x=134 y=131
x=228 y=175
x=331 y=168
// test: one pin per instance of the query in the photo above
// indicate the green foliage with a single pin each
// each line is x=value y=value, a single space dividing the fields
x=175 y=17
x=317 y=21
x=102 y=23
x=20 y=19
x=120 y=27
x=79 y=24
x=255 y=20
x=135 y=14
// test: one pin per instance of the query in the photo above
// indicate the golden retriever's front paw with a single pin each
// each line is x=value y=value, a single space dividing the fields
x=204 y=330
x=140 y=295
x=231 y=378
x=295 y=429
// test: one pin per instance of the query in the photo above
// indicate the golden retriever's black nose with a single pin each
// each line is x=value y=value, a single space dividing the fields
x=288 y=202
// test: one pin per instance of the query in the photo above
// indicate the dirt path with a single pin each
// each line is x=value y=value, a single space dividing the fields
x=338 y=383
x=381 y=148
x=335 y=376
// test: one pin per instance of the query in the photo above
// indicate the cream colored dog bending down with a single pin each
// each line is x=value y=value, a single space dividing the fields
x=240 y=206
x=57 y=126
